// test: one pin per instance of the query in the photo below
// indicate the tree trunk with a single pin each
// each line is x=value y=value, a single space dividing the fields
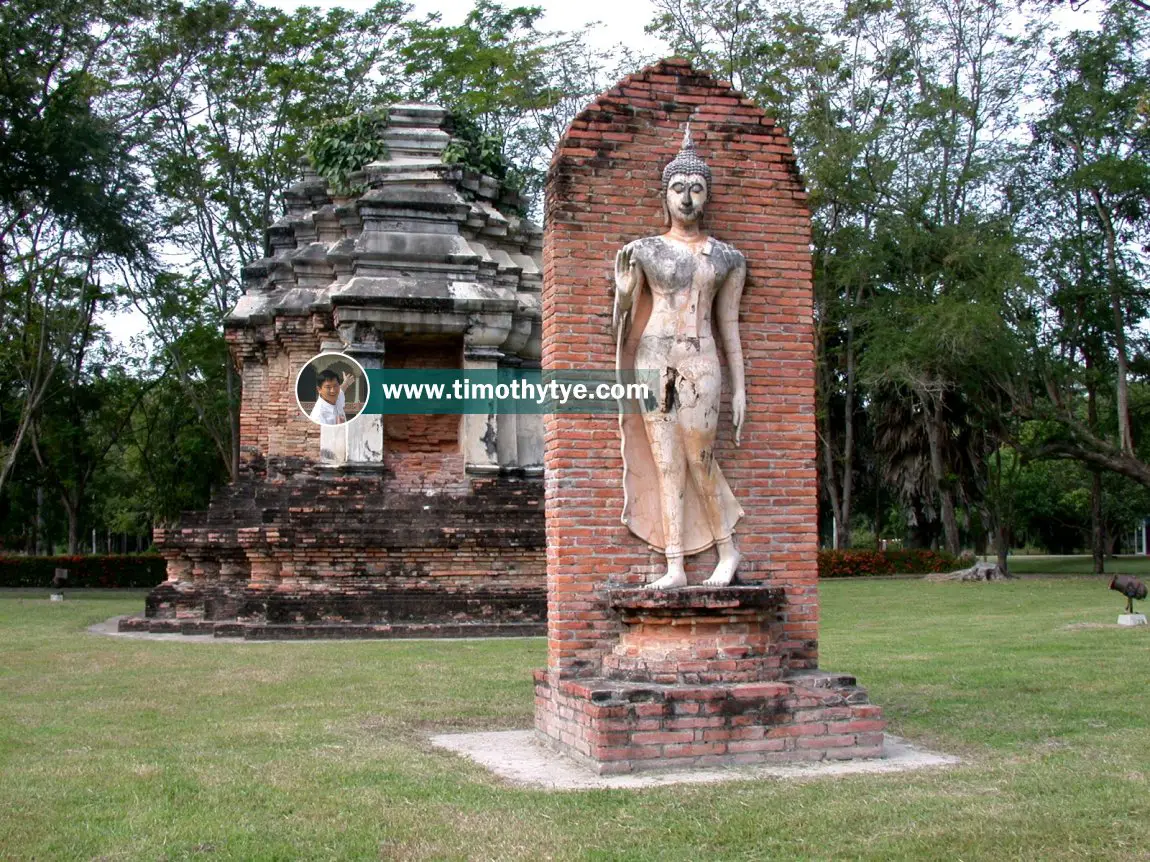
x=73 y=527
x=982 y=524
x=1002 y=547
x=934 y=432
x=848 y=439
x=1125 y=437
x=1109 y=541
x=1097 y=549
x=1000 y=514
x=878 y=523
x=839 y=489
x=920 y=533
x=830 y=483
x=9 y=462
x=1097 y=533
x=949 y=520
x=40 y=543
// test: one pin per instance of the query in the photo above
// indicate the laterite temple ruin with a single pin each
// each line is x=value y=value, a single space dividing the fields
x=386 y=526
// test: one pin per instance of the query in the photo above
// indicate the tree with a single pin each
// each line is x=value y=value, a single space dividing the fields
x=902 y=115
x=164 y=463
x=1091 y=148
x=87 y=414
x=518 y=86
x=70 y=205
x=231 y=90
x=822 y=71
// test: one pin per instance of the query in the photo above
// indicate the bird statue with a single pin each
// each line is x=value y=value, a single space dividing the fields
x=1130 y=587
x=60 y=578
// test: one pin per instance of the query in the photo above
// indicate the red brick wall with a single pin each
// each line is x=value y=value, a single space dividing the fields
x=423 y=433
x=270 y=359
x=604 y=190
x=272 y=425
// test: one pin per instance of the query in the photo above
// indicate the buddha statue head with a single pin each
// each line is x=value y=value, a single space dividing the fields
x=686 y=184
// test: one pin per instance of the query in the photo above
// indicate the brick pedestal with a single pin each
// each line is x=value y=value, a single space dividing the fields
x=696 y=635
x=314 y=555
x=621 y=727
x=642 y=680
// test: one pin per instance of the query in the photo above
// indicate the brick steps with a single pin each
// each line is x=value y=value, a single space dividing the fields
x=617 y=727
x=353 y=550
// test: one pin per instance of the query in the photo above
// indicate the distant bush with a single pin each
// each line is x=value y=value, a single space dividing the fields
x=861 y=563
x=97 y=570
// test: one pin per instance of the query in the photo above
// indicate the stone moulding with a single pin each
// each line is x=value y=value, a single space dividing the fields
x=696 y=635
x=696 y=679
x=702 y=601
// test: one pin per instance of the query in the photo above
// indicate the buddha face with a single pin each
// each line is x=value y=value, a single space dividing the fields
x=686 y=198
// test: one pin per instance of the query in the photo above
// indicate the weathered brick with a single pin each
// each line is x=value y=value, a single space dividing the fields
x=861 y=726
x=748 y=745
x=826 y=741
x=723 y=684
x=812 y=729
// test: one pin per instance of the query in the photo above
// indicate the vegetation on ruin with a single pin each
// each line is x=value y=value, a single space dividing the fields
x=481 y=152
x=125 y=749
x=339 y=147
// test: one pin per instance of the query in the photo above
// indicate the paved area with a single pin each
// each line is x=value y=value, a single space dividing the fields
x=110 y=628
x=516 y=757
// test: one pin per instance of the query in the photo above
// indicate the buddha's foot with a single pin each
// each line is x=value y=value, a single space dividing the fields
x=725 y=571
x=669 y=581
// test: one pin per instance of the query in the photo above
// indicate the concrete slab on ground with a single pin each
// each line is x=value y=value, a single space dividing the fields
x=519 y=758
x=111 y=628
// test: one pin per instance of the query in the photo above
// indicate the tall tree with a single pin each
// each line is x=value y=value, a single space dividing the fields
x=902 y=115
x=231 y=90
x=518 y=84
x=1092 y=156
x=822 y=71
x=69 y=197
x=88 y=412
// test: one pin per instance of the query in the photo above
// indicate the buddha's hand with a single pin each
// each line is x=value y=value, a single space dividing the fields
x=627 y=275
x=739 y=413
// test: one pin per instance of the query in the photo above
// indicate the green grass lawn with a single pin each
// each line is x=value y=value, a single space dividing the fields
x=1076 y=564
x=116 y=749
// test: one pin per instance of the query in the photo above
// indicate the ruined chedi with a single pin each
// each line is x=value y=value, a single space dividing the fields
x=415 y=525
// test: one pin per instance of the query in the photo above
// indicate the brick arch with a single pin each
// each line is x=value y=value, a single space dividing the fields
x=603 y=191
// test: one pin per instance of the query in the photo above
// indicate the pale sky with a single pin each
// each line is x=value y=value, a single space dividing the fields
x=622 y=20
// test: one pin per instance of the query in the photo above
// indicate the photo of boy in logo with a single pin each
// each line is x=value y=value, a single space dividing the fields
x=334 y=377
